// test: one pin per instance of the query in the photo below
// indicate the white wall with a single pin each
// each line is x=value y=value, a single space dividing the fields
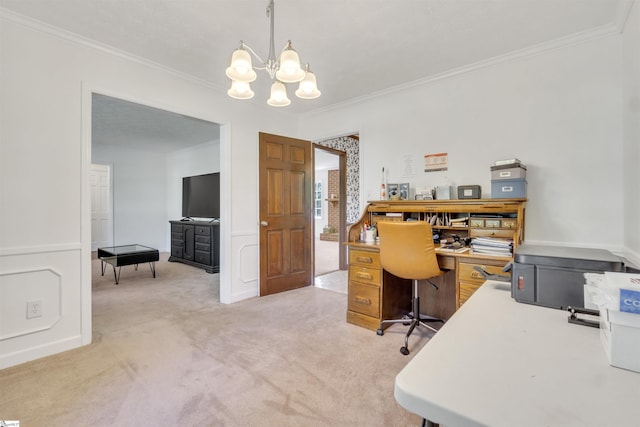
x=45 y=152
x=147 y=189
x=322 y=176
x=139 y=186
x=631 y=120
x=558 y=111
x=198 y=160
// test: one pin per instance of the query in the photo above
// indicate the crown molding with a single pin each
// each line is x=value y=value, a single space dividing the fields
x=110 y=50
x=85 y=41
x=559 y=43
x=616 y=27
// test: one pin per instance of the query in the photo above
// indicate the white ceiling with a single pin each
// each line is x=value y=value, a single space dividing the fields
x=356 y=48
x=115 y=122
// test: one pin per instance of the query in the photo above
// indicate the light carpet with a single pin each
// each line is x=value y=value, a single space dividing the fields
x=166 y=352
x=326 y=257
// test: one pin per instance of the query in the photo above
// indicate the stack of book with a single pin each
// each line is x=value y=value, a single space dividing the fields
x=459 y=222
x=508 y=162
x=491 y=246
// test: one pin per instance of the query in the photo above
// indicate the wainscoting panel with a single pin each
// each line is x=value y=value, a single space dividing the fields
x=33 y=302
x=50 y=278
x=245 y=279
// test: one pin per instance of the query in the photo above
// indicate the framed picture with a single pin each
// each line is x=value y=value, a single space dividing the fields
x=404 y=190
x=393 y=190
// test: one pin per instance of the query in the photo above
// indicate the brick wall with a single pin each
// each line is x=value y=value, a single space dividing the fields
x=333 y=187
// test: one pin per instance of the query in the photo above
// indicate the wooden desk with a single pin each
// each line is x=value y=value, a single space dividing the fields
x=375 y=294
x=498 y=362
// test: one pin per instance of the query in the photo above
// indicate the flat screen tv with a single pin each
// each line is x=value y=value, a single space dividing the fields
x=201 y=196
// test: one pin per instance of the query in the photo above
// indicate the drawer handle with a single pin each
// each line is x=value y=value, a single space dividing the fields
x=365 y=259
x=361 y=300
x=364 y=276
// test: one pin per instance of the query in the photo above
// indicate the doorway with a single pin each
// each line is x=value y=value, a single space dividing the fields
x=149 y=151
x=328 y=210
x=101 y=201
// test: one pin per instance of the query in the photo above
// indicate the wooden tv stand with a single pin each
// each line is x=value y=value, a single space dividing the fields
x=196 y=243
x=375 y=294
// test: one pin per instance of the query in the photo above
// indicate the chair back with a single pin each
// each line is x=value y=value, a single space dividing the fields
x=407 y=249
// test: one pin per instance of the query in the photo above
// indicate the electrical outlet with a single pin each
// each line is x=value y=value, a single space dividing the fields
x=34 y=309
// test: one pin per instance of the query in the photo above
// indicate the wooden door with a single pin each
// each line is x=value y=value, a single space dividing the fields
x=286 y=233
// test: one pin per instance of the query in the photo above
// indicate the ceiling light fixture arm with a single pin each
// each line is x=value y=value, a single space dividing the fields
x=272 y=64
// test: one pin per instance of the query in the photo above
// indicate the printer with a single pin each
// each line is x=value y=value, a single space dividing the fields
x=553 y=276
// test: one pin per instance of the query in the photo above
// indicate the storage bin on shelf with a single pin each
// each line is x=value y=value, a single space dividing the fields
x=618 y=299
x=508 y=188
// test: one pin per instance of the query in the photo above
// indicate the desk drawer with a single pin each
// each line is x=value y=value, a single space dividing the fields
x=483 y=232
x=364 y=299
x=370 y=276
x=446 y=262
x=364 y=258
x=467 y=273
x=466 y=290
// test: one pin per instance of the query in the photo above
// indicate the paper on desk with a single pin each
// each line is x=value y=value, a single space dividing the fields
x=614 y=291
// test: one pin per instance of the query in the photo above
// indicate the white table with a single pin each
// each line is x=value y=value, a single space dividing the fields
x=498 y=362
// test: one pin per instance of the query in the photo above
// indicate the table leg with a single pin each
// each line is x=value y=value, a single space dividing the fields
x=102 y=266
x=152 y=264
x=116 y=276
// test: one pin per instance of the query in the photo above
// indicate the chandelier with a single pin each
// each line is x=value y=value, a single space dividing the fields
x=285 y=69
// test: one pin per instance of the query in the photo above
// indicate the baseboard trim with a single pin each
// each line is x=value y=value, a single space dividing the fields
x=240 y=296
x=33 y=353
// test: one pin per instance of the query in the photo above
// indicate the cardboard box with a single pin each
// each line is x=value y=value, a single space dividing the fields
x=469 y=192
x=508 y=189
x=509 y=173
x=620 y=335
x=444 y=192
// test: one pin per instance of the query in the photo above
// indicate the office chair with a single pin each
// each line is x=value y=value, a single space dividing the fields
x=407 y=251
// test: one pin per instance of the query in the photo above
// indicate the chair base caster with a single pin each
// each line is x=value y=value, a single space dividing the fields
x=380 y=332
x=404 y=350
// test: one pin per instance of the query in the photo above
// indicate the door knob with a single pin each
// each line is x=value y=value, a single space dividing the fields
x=264 y=223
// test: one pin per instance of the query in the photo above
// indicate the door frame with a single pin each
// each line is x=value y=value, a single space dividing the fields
x=342 y=202
x=87 y=91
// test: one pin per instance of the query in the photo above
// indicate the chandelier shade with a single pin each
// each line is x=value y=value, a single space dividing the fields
x=284 y=69
x=290 y=71
x=240 y=90
x=308 y=88
x=241 y=69
x=278 y=96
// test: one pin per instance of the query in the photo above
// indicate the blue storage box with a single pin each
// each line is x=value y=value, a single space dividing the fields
x=508 y=188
